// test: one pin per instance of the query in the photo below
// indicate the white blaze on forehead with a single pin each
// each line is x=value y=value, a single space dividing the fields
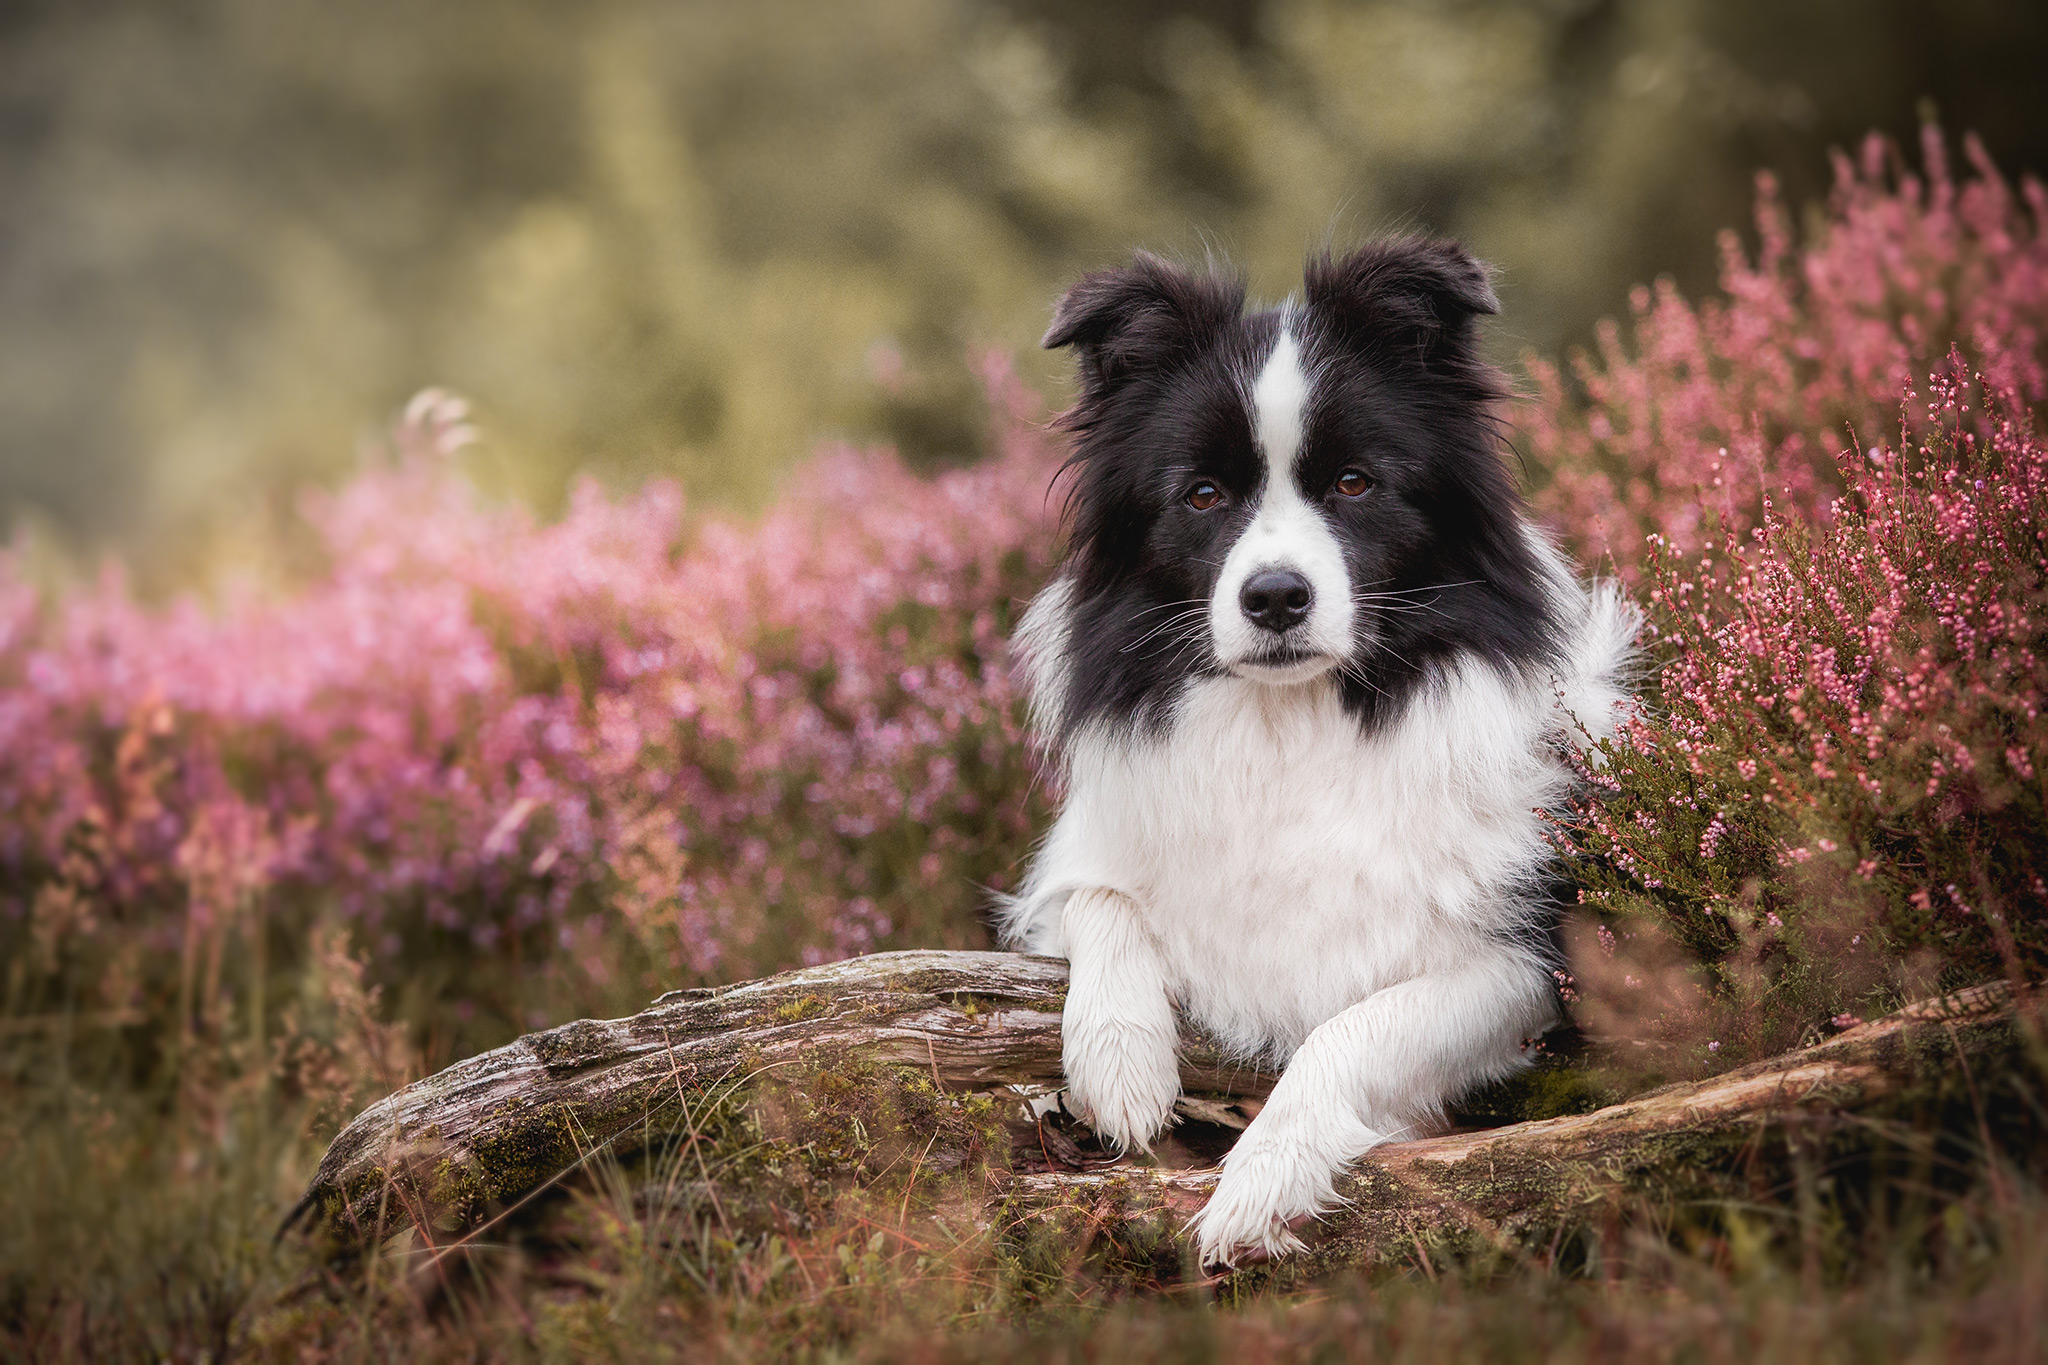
x=1286 y=531
x=1279 y=402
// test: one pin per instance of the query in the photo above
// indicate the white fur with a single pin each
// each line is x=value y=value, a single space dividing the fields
x=1285 y=532
x=1118 y=1048
x=1355 y=906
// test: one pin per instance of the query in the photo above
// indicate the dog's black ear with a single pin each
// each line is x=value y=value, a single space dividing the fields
x=1141 y=316
x=1412 y=297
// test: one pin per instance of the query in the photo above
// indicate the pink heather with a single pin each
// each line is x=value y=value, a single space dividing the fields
x=492 y=723
x=1718 y=407
x=1828 y=487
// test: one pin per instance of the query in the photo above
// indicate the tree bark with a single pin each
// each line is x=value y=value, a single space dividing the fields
x=487 y=1134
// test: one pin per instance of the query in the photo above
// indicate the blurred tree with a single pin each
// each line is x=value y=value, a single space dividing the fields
x=698 y=237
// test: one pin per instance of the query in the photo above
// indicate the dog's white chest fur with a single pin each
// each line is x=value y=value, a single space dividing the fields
x=1290 y=865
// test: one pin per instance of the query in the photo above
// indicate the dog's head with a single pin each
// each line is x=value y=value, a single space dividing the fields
x=1281 y=495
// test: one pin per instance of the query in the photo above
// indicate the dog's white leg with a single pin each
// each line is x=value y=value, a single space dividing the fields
x=1118 y=1037
x=1362 y=1078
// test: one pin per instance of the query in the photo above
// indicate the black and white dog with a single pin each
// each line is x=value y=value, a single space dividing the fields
x=1309 y=673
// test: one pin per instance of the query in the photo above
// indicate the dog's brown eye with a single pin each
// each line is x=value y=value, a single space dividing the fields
x=1352 y=483
x=1204 y=495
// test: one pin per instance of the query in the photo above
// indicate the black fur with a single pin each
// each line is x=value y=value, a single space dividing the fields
x=1166 y=361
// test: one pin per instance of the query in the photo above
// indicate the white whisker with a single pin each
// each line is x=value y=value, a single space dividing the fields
x=1168 y=624
x=1184 y=602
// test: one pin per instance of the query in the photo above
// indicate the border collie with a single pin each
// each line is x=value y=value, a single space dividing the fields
x=1309 y=675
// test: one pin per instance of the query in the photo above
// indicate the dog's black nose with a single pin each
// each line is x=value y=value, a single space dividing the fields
x=1276 y=599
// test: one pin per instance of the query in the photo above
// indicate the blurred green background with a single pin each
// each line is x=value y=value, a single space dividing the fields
x=661 y=235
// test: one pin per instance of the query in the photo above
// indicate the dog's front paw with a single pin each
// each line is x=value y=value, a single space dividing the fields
x=1244 y=1220
x=1266 y=1193
x=1122 y=1078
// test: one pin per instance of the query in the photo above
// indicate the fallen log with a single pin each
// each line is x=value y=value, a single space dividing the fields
x=977 y=1034
x=1509 y=1189
x=453 y=1147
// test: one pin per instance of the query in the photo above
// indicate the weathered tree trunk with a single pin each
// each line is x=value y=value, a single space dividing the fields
x=487 y=1133
x=1516 y=1187
x=491 y=1130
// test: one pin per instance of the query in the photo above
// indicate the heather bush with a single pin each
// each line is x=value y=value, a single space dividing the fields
x=620 y=752
x=1837 y=800
x=1831 y=798
x=1708 y=408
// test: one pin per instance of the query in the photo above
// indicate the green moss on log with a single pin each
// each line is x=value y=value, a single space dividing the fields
x=801 y=1008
